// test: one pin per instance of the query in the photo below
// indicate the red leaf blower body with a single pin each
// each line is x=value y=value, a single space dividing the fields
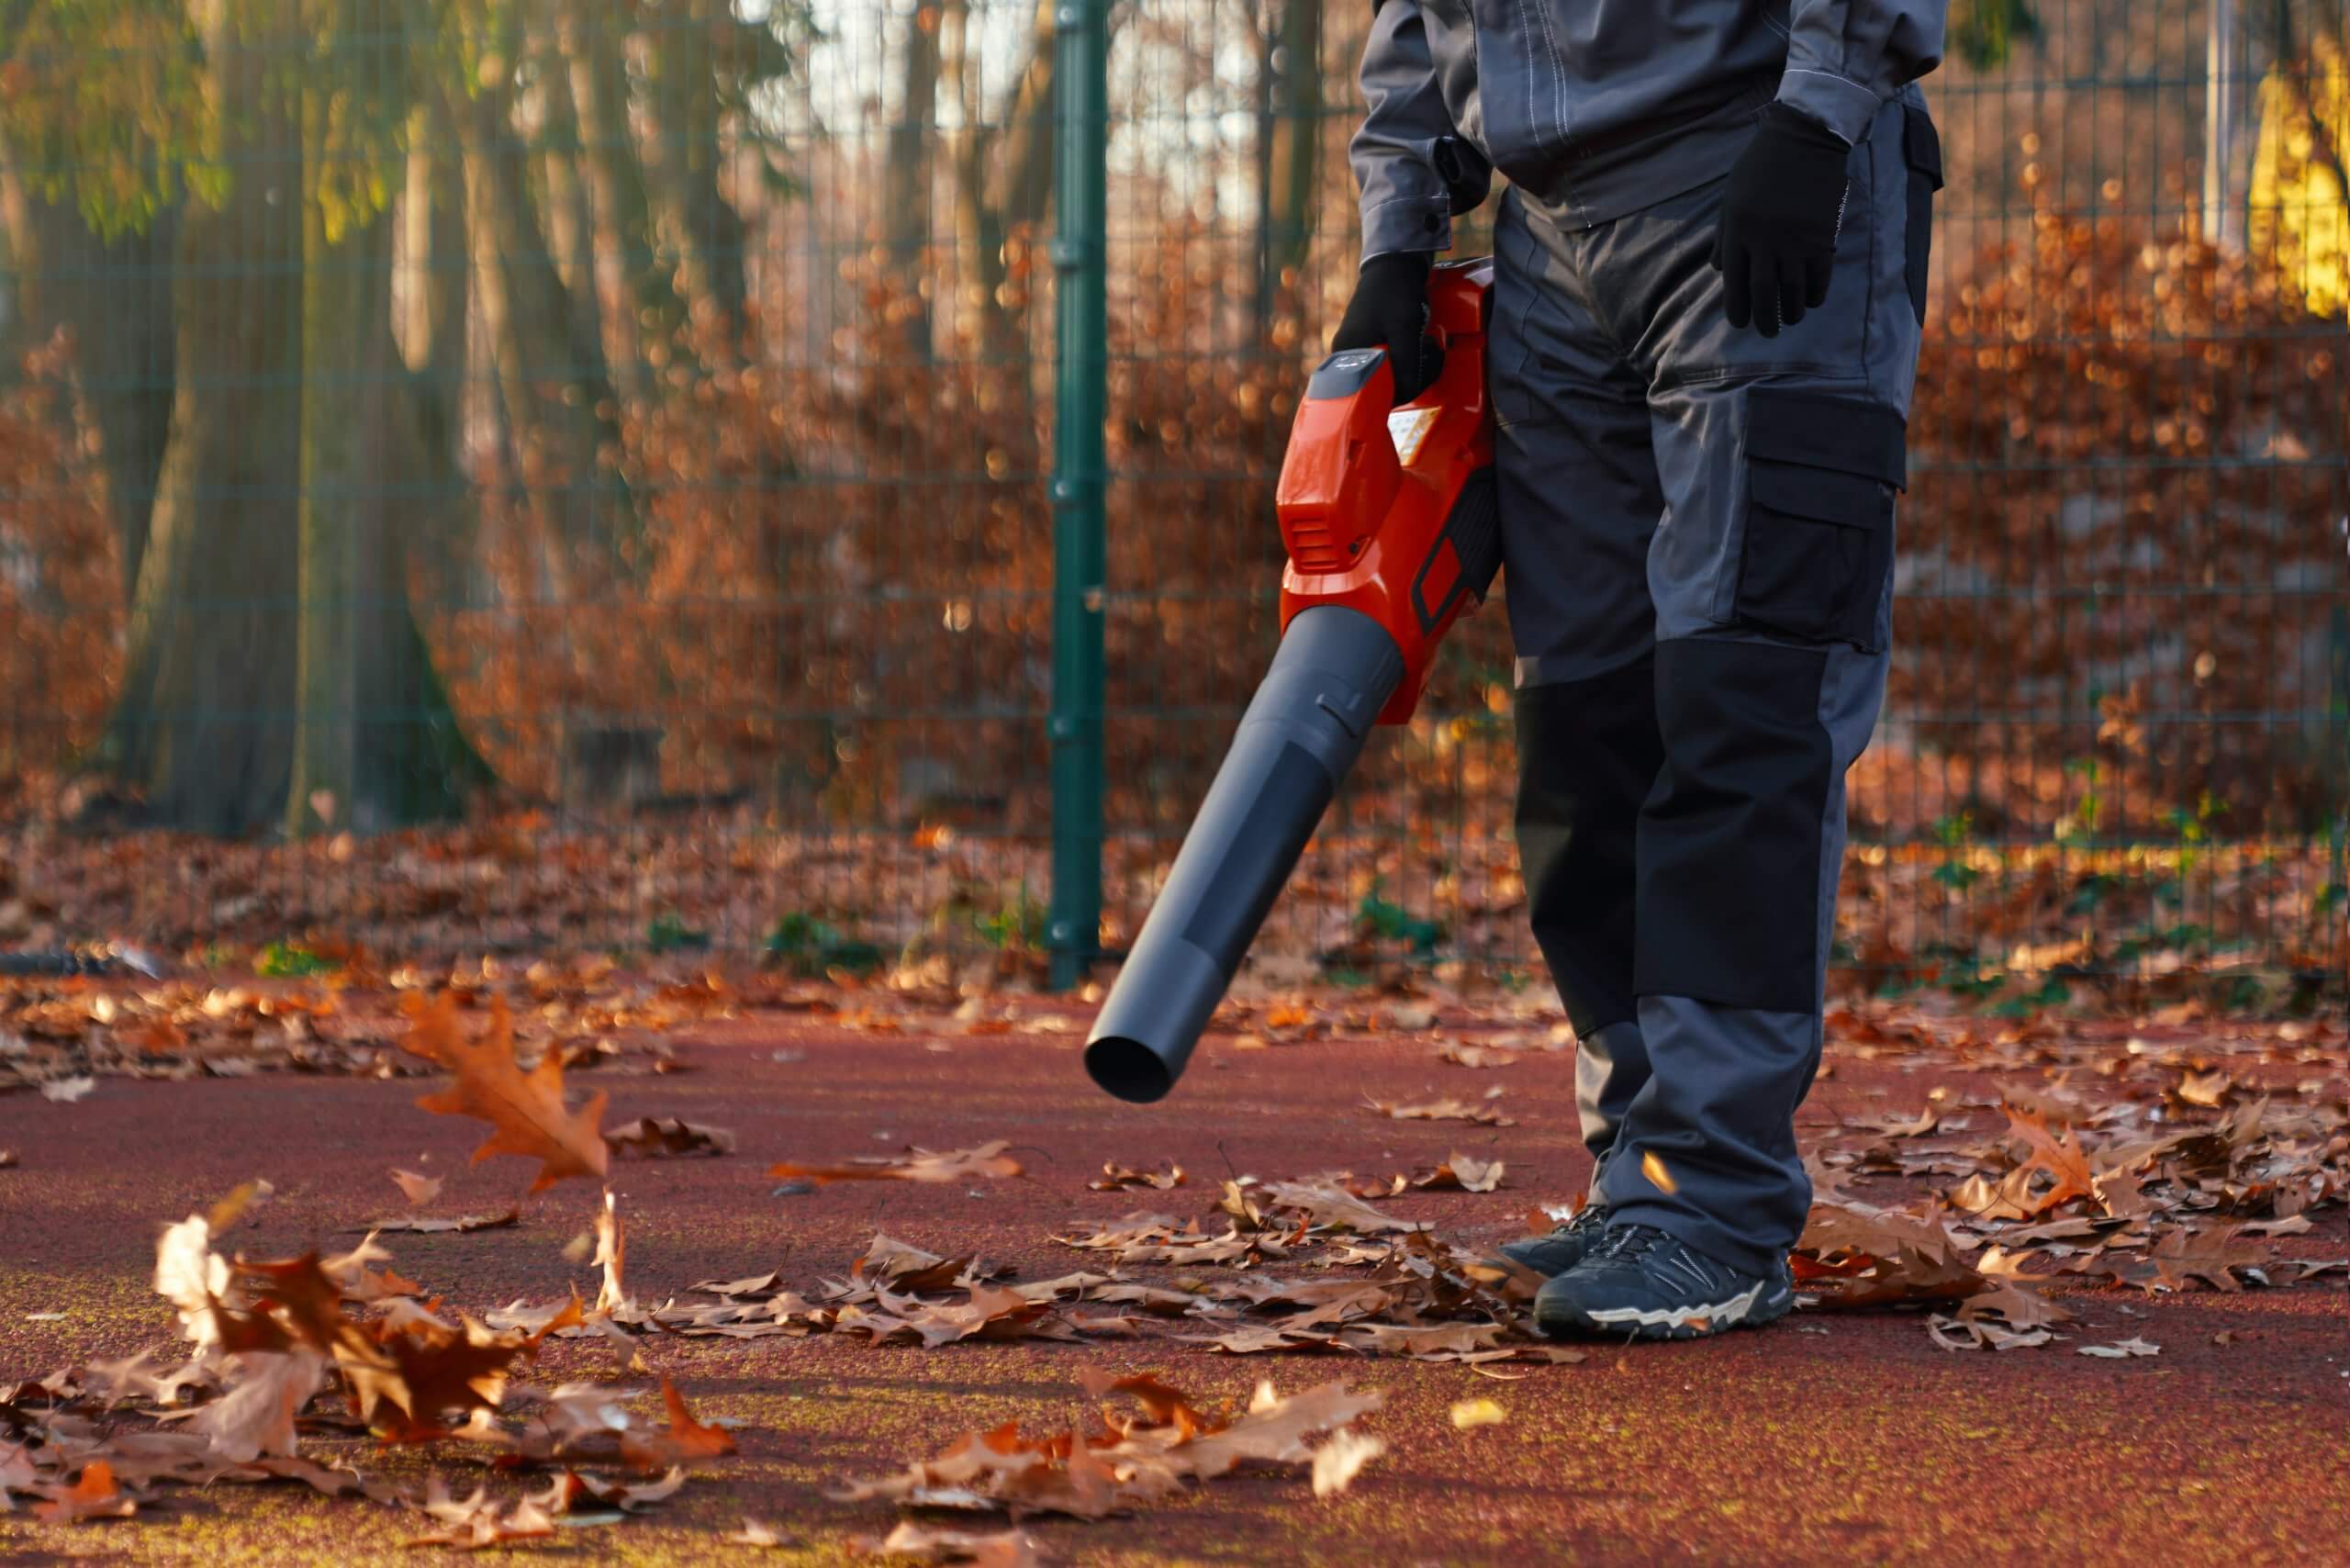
x=1389 y=518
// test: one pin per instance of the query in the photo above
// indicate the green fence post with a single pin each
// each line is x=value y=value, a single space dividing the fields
x=1081 y=258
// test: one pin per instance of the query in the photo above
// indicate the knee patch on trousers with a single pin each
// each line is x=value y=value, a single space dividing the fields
x=1588 y=754
x=1822 y=473
x=1731 y=836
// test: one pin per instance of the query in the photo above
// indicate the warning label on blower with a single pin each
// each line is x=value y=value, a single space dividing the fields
x=1407 y=428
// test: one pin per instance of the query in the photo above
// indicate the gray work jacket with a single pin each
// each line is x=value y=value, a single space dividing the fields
x=1595 y=108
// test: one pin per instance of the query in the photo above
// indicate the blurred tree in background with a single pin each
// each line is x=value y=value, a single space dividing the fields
x=646 y=404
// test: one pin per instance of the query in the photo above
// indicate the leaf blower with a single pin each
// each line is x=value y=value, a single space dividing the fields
x=1389 y=518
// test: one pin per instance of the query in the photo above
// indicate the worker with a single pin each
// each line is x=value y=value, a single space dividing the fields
x=1709 y=278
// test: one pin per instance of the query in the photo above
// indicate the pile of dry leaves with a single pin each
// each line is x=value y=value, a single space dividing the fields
x=2183 y=1189
x=299 y=1367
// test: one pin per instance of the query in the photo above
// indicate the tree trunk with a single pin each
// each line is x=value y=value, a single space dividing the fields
x=905 y=182
x=979 y=315
x=696 y=218
x=204 y=731
x=996 y=197
x=639 y=301
x=115 y=296
x=432 y=336
x=571 y=228
x=1024 y=184
x=1294 y=143
x=557 y=394
x=376 y=743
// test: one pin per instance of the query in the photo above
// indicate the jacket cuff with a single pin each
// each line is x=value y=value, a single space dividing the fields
x=1406 y=223
x=1843 y=106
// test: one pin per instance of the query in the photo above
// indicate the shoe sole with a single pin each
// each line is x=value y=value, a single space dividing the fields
x=1749 y=1309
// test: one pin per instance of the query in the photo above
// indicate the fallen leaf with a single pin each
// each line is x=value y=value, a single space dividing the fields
x=526 y=1112
x=1978 y=1334
x=1012 y=1549
x=418 y=1190
x=94 y=1496
x=192 y=1277
x=460 y=1225
x=1462 y=1055
x=660 y=1137
x=1897 y=1126
x=264 y=1392
x=1338 y=1461
x=67 y=1091
x=1323 y=1204
x=987 y=1161
x=486 y=1526
x=1119 y=1178
x=2121 y=1349
x=2055 y=1154
x=1146 y=1460
x=417 y=1369
x=755 y=1533
x=2208 y=1089
x=565 y=1494
x=1463 y=1173
x=683 y=1441
x=1470 y=1414
x=611 y=1256
x=1442 y=1111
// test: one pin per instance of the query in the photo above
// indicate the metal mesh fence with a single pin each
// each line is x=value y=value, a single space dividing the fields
x=500 y=474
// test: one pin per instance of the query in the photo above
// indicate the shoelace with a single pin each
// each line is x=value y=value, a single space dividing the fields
x=1631 y=1242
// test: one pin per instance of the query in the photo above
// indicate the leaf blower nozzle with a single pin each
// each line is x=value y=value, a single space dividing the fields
x=1334 y=670
x=1388 y=514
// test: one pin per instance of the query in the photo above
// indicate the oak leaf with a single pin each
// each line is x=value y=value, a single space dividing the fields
x=1011 y=1548
x=460 y=1225
x=525 y=1110
x=486 y=1526
x=564 y=1493
x=416 y=1188
x=987 y=1162
x=1464 y=1174
x=683 y=1441
x=423 y=1369
x=255 y=1417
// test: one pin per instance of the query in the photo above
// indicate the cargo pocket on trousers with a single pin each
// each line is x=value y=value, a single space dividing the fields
x=1922 y=148
x=1821 y=474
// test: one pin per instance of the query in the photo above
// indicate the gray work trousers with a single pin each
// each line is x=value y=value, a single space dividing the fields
x=1698 y=535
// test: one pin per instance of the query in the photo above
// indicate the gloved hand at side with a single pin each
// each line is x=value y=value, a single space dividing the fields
x=1389 y=310
x=1782 y=209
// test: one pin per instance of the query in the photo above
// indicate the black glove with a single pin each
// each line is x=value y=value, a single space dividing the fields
x=1781 y=211
x=1389 y=310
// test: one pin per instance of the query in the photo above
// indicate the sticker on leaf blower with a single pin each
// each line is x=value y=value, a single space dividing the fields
x=1408 y=429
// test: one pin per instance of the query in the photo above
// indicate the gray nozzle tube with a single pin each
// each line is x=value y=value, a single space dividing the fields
x=1300 y=738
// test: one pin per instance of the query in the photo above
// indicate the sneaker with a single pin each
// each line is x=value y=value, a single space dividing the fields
x=1641 y=1283
x=1554 y=1254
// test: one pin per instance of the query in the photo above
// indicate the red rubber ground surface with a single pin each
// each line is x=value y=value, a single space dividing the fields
x=1827 y=1439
